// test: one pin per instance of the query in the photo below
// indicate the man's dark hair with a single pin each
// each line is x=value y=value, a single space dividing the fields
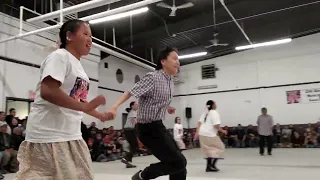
x=264 y=109
x=162 y=55
x=12 y=109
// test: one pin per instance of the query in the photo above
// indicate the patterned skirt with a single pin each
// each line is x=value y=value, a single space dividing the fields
x=68 y=160
x=212 y=147
x=180 y=143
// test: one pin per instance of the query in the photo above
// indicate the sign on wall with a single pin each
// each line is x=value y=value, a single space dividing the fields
x=303 y=96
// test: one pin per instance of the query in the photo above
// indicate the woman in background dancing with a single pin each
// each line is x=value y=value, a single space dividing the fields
x=130 y=133
x=178 y=133
x=210 y=142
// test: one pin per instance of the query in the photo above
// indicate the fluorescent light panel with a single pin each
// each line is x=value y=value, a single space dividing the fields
x=270 y=43
x=120 y=15
x=193 y=55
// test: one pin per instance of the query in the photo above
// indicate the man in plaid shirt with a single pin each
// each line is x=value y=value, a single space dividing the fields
x=154 y=93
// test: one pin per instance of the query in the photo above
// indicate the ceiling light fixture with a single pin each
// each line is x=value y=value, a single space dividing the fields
x=193 y=55
x=270 y=43
x=120 y=15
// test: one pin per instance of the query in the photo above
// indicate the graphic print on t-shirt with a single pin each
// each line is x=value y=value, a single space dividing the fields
x=80 y=90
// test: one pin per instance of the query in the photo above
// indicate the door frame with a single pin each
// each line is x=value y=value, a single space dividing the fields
x=124 y=119
x=19 y=99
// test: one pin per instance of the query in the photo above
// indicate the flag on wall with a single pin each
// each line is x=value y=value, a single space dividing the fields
x=303 y=96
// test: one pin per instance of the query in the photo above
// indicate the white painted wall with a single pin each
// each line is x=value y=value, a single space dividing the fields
x=108 y=80
x=18 y=80
x=297 y=62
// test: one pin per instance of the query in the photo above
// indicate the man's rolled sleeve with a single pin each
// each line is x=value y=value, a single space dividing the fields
x=145 y=85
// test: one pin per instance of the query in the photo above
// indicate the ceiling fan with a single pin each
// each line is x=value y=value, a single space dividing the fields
x=174 y=8
x=215 y=40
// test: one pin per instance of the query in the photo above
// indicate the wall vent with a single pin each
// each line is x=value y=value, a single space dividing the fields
x=208 y=71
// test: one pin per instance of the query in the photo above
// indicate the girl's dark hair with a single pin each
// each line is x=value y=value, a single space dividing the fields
x=69 y=26
x=130 y=108
x=162 y=55
x=176 y=119
x=210 y=103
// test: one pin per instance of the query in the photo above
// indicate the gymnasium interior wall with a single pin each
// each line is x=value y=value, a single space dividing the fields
x=20 y=60
x=112 y=89
x=256 y=78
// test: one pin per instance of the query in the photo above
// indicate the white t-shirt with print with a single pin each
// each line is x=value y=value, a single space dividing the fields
x=47 y=122
x=207 y=126
x=178 y=131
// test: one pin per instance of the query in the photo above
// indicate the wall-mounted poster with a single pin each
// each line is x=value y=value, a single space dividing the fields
x=303 y=96
x=293 y=97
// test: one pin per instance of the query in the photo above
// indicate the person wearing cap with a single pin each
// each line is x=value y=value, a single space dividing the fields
x=3 y=119
x=9 y=155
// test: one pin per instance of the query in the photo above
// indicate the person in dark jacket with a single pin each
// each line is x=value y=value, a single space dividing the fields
x=9 y=161
x=16 y=138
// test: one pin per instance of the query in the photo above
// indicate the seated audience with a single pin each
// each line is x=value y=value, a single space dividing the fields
x=9 y=161
x=232 y=137
x=3 y=119
x=296 y=139
x=318 y=133
x=104 y=132
x=224 y=137
x=98 y=153
x=277 y=132
x=310 y=137
x=252 y=139
x=286 y=137
x=14 y=123
x=241 y=136
x=16 y=138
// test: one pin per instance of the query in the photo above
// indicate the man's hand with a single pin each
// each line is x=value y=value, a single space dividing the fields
x=111 y=113
x=104 y=117
x=171 y=110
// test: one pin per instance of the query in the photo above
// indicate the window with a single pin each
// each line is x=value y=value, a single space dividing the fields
x=119 y=76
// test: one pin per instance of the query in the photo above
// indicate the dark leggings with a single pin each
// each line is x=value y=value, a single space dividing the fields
x=131 y=137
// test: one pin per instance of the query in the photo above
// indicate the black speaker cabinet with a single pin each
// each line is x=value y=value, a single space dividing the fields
x=188 y=112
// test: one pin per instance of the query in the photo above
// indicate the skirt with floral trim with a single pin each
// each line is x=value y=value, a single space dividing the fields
x=68 y=160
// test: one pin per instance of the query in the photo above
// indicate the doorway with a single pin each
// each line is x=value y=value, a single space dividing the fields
x=124 y=119
x=22 y=106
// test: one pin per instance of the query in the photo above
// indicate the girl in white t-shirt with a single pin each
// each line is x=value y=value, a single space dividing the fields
x=53 y=147
x=210 y=142
x=178 y=133
x=130 y=133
